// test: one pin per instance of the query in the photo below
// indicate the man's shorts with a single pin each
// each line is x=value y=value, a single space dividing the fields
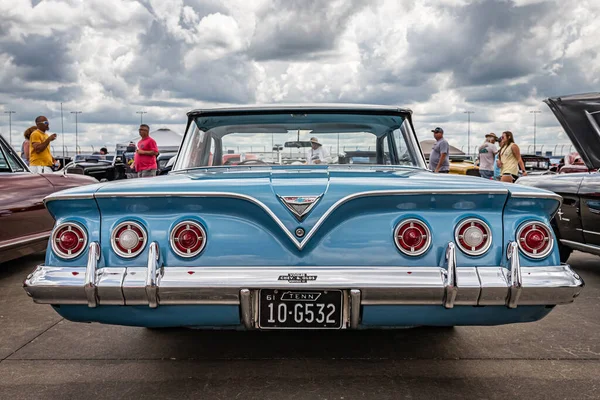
x=147 y=173
x=486 y=174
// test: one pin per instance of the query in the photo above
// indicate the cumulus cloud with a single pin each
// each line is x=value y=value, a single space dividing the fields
x=112 y=58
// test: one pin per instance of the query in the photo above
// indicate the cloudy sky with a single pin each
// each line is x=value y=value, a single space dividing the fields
x=110 y=58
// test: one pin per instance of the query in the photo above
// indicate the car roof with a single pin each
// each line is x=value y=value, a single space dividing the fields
x=278 y=108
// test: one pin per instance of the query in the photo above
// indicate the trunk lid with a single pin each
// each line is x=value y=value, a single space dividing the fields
x=579 y=116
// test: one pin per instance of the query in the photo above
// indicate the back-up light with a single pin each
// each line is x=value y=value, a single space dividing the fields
x=473 y=236
x=412 y=237
x=128 y=239
x=535 y=239
x=188 y=239
x=68 y=240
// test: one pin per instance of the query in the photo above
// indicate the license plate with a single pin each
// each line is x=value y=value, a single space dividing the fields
x=300 y=309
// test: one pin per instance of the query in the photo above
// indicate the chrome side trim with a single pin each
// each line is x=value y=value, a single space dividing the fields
x=586 y=231
x=216 y=285
x=246 y=308
x=406 y=192
x=23 y=241
x=516 y=278
x=537 y=195
x=153 y=275
x=450 y=282
x=68 y=196
x=320 y=221
x=588 y=248
x=354 y=308
x=90 y=274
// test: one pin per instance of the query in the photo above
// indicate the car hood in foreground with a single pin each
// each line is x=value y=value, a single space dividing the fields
x=579 y=115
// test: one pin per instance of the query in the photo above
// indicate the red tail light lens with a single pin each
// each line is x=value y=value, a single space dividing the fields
x=128 y=239
x=535 y=239
x=412 y=237
x=473 y=236
x=69 y=240
x=188 y=239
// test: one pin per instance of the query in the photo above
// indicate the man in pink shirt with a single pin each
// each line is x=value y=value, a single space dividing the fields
x=145 y=155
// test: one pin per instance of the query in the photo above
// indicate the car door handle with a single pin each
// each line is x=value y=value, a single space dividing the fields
x=5 y=213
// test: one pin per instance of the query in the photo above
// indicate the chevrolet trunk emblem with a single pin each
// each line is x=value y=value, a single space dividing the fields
x=299 y=205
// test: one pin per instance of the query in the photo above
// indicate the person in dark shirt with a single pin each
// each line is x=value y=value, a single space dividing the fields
x=438 y=158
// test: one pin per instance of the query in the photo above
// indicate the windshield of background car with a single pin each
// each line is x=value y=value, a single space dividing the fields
x=299 y=139
x=89 y=157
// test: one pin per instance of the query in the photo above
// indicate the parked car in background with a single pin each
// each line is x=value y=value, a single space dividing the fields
x=577 y=223
x=102 y=167
x=162 y=160
x=265 y=245
x=536 y=165
x=25 y=224
x=463 y=165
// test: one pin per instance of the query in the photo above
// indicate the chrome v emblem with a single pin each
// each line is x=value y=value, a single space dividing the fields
x=300 y=206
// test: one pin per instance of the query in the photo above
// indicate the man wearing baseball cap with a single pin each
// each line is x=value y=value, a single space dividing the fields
x=438 y=158
x=487 y=153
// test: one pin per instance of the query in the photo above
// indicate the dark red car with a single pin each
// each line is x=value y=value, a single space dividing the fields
x=25 y=224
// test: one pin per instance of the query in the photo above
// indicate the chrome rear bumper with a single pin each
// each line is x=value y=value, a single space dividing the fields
x=155 y=285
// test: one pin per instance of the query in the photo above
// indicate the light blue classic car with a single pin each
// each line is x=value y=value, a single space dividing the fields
x=293 y=234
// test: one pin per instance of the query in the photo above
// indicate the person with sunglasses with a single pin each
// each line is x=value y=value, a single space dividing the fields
x=40 y=158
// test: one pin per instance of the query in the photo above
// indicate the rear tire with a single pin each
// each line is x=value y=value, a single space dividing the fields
x=565 y=252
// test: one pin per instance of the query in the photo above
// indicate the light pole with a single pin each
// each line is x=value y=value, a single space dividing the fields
x=76 y=132
x=62 y=132
x=141 y=115
x=10 y=113
x=534 y=112
x=469 y=131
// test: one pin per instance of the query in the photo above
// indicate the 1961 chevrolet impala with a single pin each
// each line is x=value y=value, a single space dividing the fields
x=311 y=244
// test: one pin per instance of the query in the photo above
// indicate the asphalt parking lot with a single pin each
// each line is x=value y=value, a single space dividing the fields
x=44 y=356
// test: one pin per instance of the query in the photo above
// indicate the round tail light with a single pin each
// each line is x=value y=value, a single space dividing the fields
x=128 y=239
x=535 y=239
x=68 y=240
x=473 y=236
x=412 y=237
x=188 y=239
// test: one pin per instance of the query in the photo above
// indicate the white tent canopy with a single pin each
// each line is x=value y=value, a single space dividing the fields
x=166 y=139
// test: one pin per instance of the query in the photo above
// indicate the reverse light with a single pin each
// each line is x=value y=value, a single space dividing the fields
x=128 y=239
x=535 y=239
x=68 y=240
x=473 y=236
x=412 y=237
x=188 y=239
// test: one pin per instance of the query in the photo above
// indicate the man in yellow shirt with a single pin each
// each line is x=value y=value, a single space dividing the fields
x=40 y=158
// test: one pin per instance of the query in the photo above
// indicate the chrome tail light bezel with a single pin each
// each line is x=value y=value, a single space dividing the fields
x=129 y=224
x=535 y=226
x=189 y=224
x=424 y=229
x=82 y=240
x=458 y=237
